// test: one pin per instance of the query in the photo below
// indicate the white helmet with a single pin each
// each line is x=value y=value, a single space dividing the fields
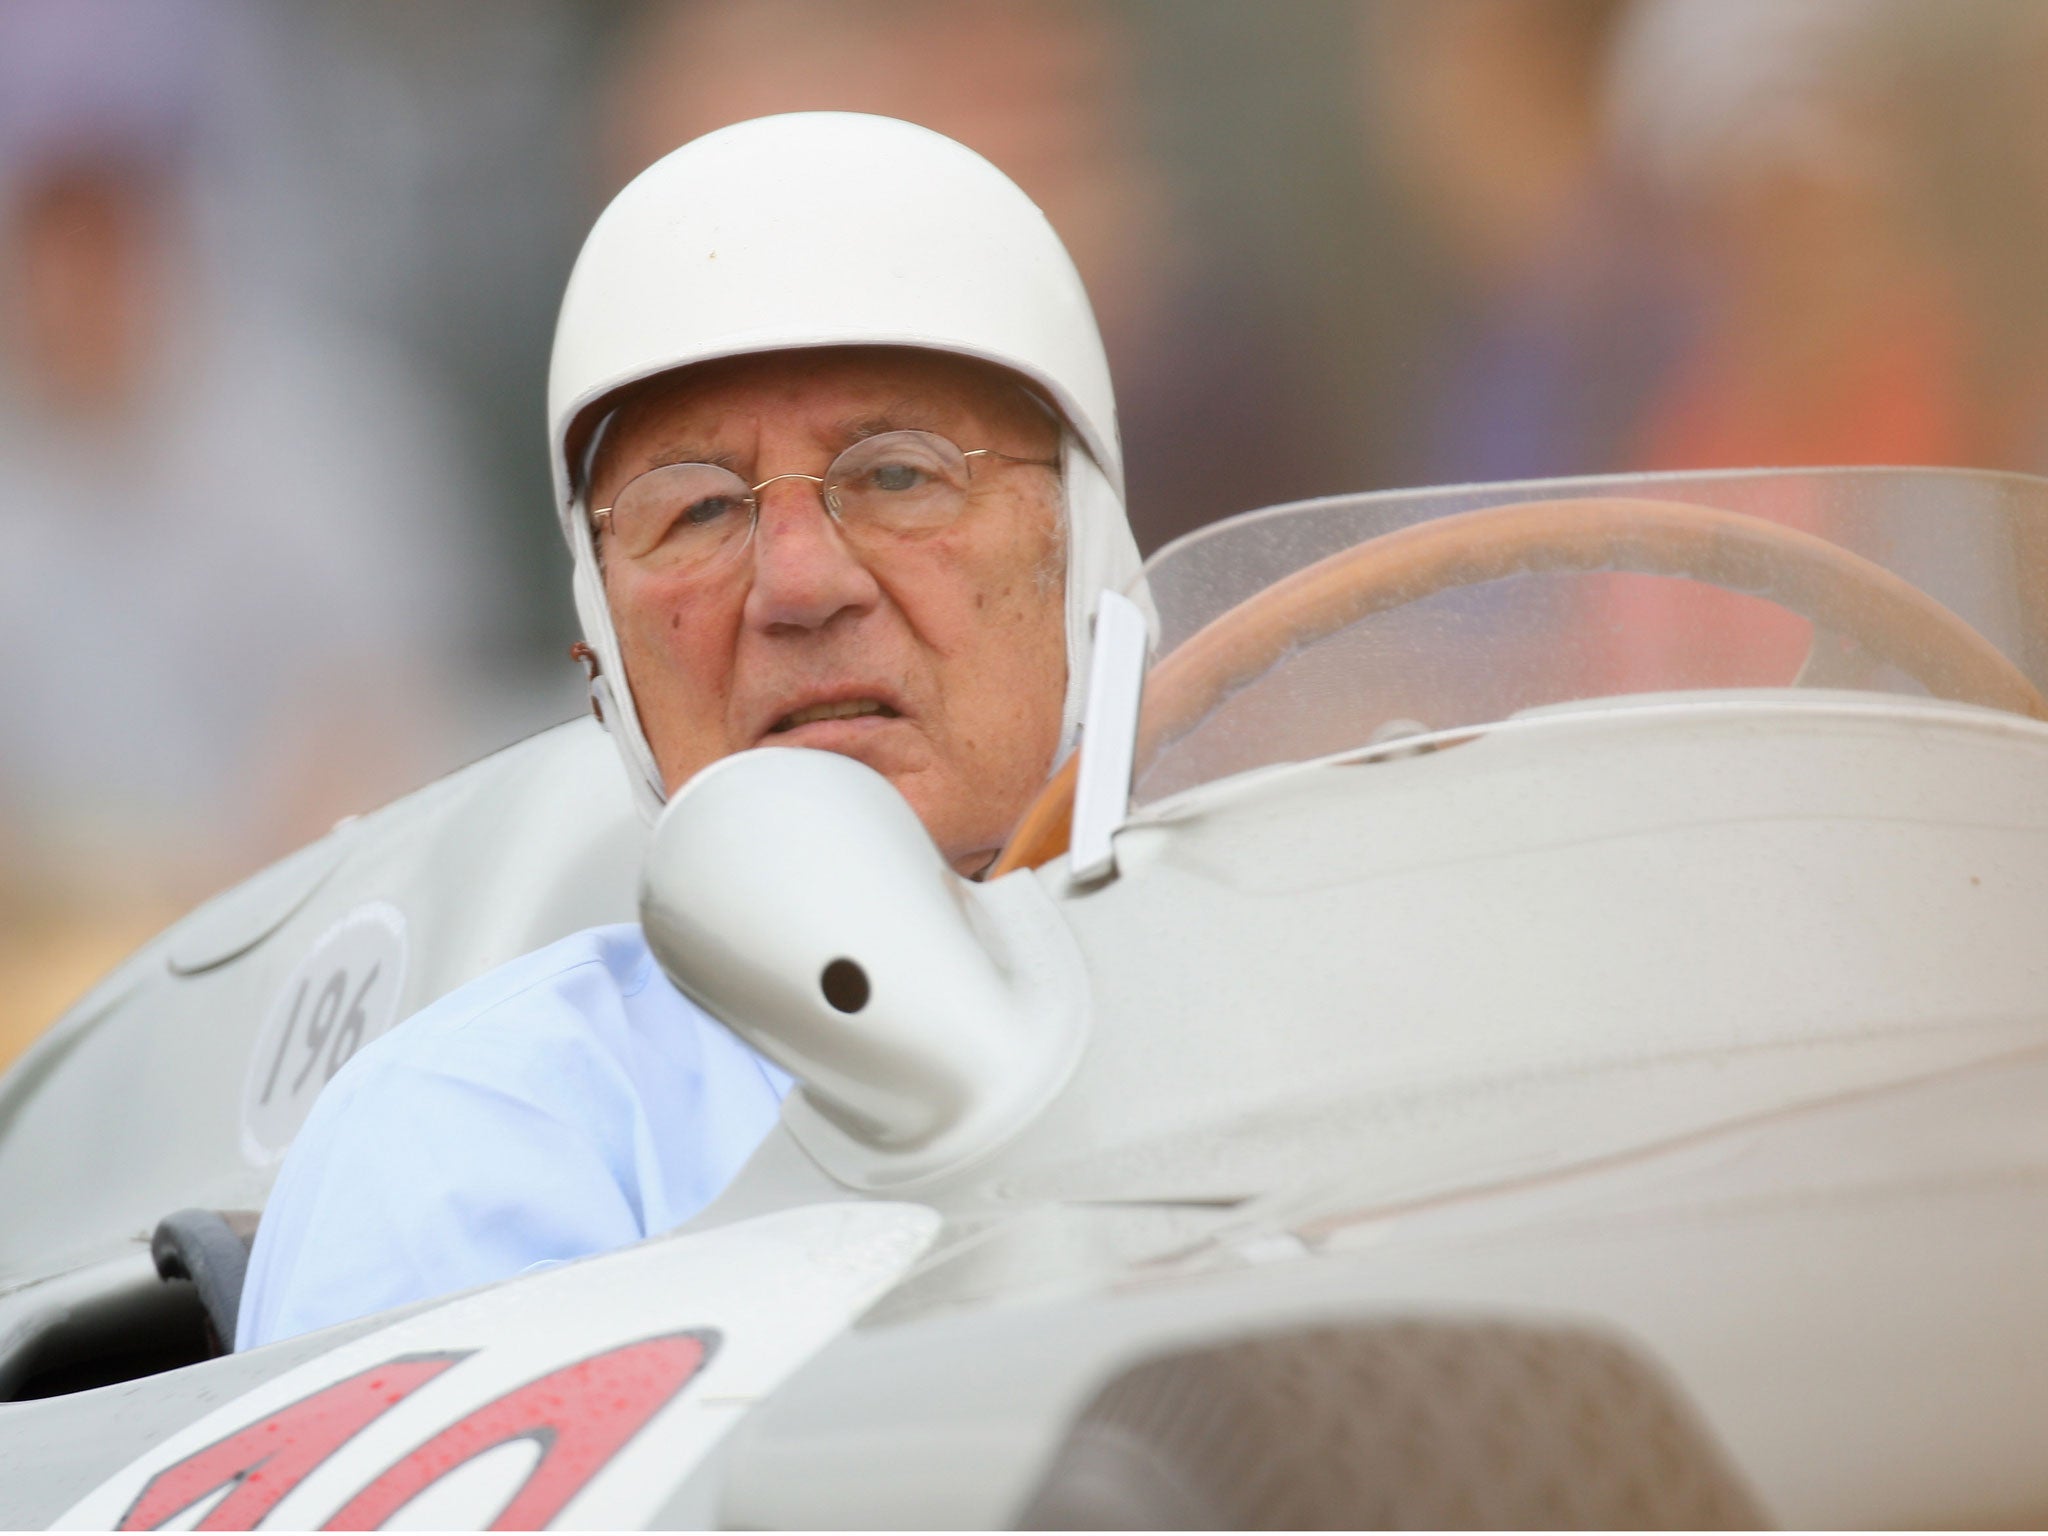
x=824 y=229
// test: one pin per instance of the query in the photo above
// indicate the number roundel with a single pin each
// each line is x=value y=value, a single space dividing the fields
x=343 y=995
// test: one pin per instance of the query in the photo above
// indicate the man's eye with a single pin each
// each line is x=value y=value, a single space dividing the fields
x=897 y=477
x=712 y=509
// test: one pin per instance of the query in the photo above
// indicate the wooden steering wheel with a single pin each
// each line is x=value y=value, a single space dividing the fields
x=1889 y=617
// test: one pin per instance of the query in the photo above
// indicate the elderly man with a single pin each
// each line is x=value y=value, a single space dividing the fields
x=836 y=456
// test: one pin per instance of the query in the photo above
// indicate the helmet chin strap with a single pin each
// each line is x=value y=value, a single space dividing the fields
x=611 y=696
x=1100 y=550
x=1102 y=554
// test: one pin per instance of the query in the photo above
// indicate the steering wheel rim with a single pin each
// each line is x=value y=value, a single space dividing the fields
x=1818 y=580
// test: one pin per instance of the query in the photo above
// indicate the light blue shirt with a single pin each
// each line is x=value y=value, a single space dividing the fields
x=567 y=1103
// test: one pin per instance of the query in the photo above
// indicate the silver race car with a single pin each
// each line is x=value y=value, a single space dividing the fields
x=1553 y=1031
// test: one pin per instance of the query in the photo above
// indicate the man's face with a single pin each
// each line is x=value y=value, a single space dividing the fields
x=953 y=639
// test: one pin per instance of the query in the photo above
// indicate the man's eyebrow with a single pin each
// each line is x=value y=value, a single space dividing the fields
x=679 y=452
x=686 y=454
x=912 y=413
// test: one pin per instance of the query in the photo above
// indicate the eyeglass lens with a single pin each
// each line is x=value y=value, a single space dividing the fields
x=693 y=515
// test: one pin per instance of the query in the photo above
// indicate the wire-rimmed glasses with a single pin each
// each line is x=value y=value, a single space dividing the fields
x=691 y=517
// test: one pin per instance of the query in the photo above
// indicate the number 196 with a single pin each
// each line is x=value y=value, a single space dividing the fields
x=330 y=1030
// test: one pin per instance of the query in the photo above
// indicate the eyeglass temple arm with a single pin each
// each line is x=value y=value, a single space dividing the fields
x=1014 y=458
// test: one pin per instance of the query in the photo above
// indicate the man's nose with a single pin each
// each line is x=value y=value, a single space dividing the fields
x=805 y=575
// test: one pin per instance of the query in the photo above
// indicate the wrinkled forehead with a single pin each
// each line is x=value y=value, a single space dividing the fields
x=834 y=392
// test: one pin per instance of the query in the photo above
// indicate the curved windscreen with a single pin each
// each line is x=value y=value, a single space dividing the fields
x=1299 y=636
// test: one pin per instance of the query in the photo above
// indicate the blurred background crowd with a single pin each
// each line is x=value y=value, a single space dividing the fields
x=277 y=286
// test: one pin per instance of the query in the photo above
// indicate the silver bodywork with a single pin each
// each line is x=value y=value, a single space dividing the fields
x=1714 y=1022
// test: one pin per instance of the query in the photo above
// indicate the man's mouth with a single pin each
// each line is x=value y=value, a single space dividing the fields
x=842 y=709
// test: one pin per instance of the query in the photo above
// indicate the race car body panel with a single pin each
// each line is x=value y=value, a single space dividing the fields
x=180 y=1080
